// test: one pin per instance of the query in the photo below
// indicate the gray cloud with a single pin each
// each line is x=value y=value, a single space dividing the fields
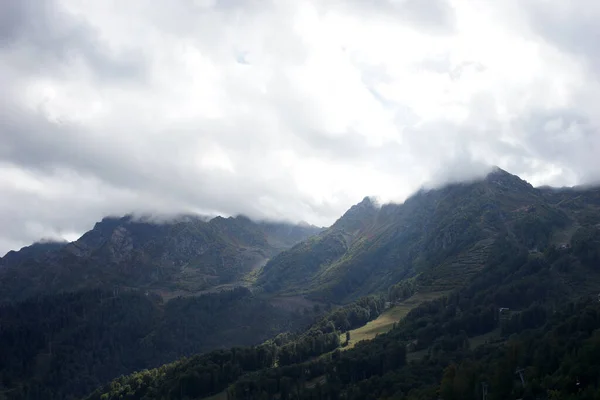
x=148 y=108
x=436 y=15
x=566 y=138
x=42 y=34
x=433 y=16
x=570 y=26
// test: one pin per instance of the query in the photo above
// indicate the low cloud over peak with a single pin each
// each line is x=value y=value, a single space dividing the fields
x=292 y=110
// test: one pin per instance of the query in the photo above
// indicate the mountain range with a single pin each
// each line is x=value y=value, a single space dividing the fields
x=184 y=255
x=442 y=237
x=456 y=254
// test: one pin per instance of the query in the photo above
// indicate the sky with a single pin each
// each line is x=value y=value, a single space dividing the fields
x=288 y=110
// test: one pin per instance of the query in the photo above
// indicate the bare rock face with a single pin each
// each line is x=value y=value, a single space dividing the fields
x=78 y=249
x=121 y=244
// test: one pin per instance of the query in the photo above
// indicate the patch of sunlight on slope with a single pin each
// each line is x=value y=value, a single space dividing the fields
x=386 y=321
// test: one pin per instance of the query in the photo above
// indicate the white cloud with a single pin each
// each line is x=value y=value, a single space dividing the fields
x=282 y=109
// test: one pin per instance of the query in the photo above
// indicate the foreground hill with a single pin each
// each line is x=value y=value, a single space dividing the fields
x=440 y=237
x=76 y=315
x=176 y=257
x=64 y=346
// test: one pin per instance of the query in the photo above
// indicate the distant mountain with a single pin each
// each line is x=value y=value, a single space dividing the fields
x=34 y=251
x=178 y=257
x=441 y=236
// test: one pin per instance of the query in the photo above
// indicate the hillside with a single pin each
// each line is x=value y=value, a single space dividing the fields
x=449 y=258
x=176 y=257
x=550 y=334
x=64 y=346
x=441 y=237
x=37 y=251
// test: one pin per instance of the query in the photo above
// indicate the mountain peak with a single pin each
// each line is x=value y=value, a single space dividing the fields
x=367 y=201
x=497 y=170
x=35 y=250
x=502 y=178
x=358 y=215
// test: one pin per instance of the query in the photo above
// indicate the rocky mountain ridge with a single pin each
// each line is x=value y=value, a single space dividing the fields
x=442 y=236
x=183 y=255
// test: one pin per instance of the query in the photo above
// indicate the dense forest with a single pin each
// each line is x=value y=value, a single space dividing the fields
x=552 y=341
x=64 y=346
x=558 y=360
x=213 y=372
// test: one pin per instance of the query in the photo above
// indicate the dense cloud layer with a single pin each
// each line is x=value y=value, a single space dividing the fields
x=283 y=109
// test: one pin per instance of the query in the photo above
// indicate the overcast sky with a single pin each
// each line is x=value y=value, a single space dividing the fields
x=283 y=109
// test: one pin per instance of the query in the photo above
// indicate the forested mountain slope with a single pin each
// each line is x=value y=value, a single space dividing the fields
x=64 y=346
x=75 y=315
x=441 y=236
x=549 y=325
x=37 y=250
x=478 y=247
x=184 y=255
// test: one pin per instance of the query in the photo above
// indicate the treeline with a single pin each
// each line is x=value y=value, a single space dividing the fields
x=402 y=290
x=195 y=377
x=353 y=315
x=554 y=345
x=309 y=345
x=323 y=378
x=60 y=347
x=324 y=336
x=218 y=320
x=513 y=279
x=64 y=346
x=211 y=373
x=557 y=361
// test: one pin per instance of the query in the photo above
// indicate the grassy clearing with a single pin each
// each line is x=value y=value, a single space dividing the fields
x=386 y=321
x=382 y=324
